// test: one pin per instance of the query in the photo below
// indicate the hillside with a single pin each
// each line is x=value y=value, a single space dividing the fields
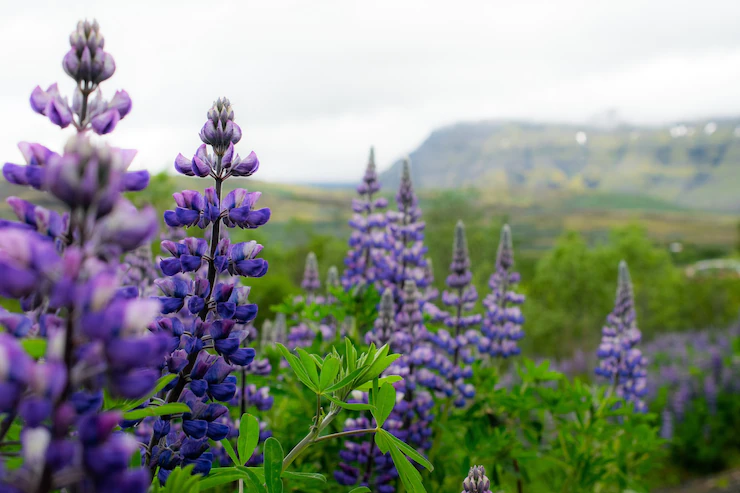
x=692 y=165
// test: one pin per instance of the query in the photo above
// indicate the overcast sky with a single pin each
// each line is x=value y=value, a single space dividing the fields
x=315 y=83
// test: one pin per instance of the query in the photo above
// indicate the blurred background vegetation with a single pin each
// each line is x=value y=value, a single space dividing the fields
x=567 y=249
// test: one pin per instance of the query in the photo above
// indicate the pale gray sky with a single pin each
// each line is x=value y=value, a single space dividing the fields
x=315 y=83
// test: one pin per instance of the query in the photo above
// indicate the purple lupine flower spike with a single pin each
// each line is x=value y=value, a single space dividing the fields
x=311 y=283
x=65 y=270
x=385 y=325
x=456 y=346
x=368 y=241
x=203 y=293
x=405 y=260
x=477 y=481
x=622 y=363
x=502 y=323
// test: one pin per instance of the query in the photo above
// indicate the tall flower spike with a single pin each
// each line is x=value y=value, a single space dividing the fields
x=215 y=308
x=311 y=283
x=65 y=271
x=477 y=481
x=502 y=323
x=622 y=363
x=405 y=260
x=368 y=241
x=456 y=347
x=385 y=325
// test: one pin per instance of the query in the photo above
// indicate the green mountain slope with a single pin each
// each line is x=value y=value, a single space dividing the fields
x=692 y=165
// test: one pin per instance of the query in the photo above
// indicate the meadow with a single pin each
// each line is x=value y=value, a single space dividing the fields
x=198 y=330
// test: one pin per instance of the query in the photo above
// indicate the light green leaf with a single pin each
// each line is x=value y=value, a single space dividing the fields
x=365 y=387
x=35 y=347
x=361 y=489
x=409 y=475
x=230 y=451
x=408 y=450
x=345 y=381
x=298 y=368
x=351 y=407
x=304 y=476
x=385 y=401
x=163 y=410
x=252 y=480
x=249 y=437
x=329 y=372
x=309 y=364
x=273 y=465
x=220 y=476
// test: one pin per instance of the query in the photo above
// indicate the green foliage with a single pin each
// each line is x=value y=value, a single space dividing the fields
x=546 y=433
x=180 y=480
x=573 y=289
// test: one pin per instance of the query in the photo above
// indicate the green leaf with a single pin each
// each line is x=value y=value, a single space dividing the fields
x=253 y=482
x=409 y=475
x=305 y=476
x=344 y=381
x=329 y=372
x=161 y=383
x=230 y=451
x=181 y=479
x=35 y=348
x=361 y=489
x=298 y=368
x=273 y=465
x=218 y=477
x=309 y=364
x=351 y=407
x=163 y=410
x=385 y=401
x=408 y=450
x=365 y=387
x=249 y=437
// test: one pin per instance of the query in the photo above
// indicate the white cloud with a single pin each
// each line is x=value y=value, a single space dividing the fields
x=315 y=84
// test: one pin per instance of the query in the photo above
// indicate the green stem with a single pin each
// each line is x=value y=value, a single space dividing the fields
x=310 y=438
x=345 y=434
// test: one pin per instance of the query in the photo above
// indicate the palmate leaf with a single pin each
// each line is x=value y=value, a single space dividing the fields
x=408 y=450
x=406 y=471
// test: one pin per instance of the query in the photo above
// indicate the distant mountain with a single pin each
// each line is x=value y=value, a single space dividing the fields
x=692 y=164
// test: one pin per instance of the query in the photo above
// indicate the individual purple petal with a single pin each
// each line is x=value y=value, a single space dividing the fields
x=106 y=122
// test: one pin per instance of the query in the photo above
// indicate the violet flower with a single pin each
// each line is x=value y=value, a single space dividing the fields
x=477 y=481
x=203 y=294
x=622 y=363
x=368 y=242
x=405 y=260
x=64 y=270
x=457 y=346
x=502 y=322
